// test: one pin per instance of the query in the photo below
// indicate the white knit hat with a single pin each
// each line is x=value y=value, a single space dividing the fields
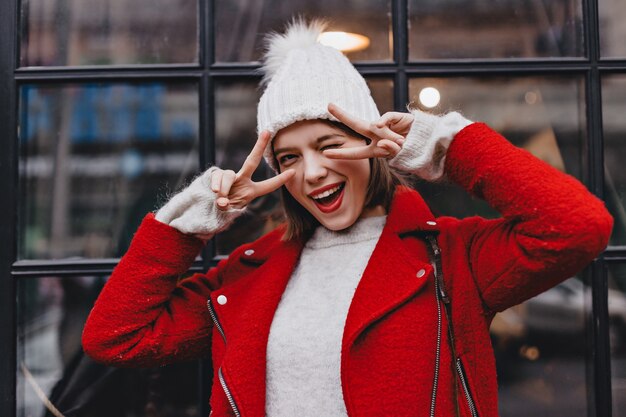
x=302 y=77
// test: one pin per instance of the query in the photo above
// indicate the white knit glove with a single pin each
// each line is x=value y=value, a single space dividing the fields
x=194 y=211
x=424 y=151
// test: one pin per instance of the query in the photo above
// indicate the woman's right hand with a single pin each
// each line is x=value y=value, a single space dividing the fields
x=237 y=190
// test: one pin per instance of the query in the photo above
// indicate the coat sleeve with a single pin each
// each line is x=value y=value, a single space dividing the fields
x=551 y=226
x=145 y=315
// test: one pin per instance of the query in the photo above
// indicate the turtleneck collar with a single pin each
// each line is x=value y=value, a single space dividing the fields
x=363 y=229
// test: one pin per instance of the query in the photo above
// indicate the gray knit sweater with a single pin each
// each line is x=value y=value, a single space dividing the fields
x=304 y=346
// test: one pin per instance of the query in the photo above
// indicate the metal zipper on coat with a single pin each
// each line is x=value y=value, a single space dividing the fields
x=214 y=318
x=433 y=399
x=468 y=395
x=229 y=396
x=220 y=375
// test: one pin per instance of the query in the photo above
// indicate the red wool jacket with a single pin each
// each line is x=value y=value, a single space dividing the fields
x=551 y=228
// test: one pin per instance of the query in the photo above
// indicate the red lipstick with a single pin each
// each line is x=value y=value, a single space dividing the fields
x=324 y=188
x=329 y=206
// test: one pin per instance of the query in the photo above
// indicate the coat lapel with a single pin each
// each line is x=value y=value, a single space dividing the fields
x=389 y=280
x=391 y=276
x=246 y=319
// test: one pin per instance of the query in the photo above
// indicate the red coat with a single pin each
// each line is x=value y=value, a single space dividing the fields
x=551 y=228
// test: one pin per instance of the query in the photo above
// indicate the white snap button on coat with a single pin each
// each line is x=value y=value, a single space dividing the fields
x=431 y=223
x=249 y=252
x=221 y=299
x=421 y=273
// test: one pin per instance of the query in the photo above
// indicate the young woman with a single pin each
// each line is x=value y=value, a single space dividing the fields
x=363 y=303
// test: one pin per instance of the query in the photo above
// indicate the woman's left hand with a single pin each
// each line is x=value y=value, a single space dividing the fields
x=387 y=134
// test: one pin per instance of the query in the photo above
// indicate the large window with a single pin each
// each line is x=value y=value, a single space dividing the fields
x=107 y=107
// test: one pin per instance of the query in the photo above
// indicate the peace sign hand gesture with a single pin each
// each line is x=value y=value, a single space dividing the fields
x=387 y=134
x=236 y=190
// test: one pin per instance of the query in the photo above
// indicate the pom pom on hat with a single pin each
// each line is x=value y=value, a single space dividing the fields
x=302 y=76
x=298 y=35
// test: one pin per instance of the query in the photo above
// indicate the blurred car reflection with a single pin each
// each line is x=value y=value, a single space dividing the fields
x=555 y=321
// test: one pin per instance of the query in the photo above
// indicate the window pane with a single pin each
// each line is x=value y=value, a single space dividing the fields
x=94 y=159
x=544 y=115
x=540 y=348
x=51 y=363
x=451 y=29
x=250 y=21
x=613 y=110
x=617 y=335
x=235 y=135
x=612 y=28
x=108 y=32
x=382 y=92
x=540 y=345
x=235 y=124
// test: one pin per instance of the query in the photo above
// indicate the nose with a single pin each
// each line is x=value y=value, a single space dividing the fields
x=314 y=168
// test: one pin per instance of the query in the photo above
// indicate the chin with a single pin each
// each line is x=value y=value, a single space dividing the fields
x=339 y=222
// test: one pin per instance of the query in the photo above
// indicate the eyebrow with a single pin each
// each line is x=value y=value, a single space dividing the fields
x=317 y=141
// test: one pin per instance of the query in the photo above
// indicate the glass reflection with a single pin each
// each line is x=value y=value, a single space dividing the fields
x=251 y=20
x=458 y=29
x=382 y=92
x=108 y=32
x=235 y=131
x=540 y=345
x=540 y=349
x=612 y=29
x=53 y=374
x=617 y=335
x=235 y=127
x=544 y=115
x=613 y=110
x=94 y=159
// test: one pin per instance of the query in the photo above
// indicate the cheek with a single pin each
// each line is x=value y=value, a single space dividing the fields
x=294 y=185
x=361 y=172
x=358 y=173
x=366 y=170
x=352 y=168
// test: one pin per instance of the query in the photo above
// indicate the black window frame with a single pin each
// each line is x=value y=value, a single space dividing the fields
x=206 y=73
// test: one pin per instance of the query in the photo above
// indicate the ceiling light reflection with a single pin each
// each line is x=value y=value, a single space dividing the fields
x=532 y=97
x=429 y=97
x=344 y=41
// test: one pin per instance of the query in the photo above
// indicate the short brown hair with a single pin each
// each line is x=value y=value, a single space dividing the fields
x=380 y=189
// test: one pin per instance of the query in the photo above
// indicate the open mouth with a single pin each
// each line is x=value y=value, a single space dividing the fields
x=329 y=200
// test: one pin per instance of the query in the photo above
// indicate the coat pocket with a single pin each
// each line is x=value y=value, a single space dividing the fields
x=467 y=399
